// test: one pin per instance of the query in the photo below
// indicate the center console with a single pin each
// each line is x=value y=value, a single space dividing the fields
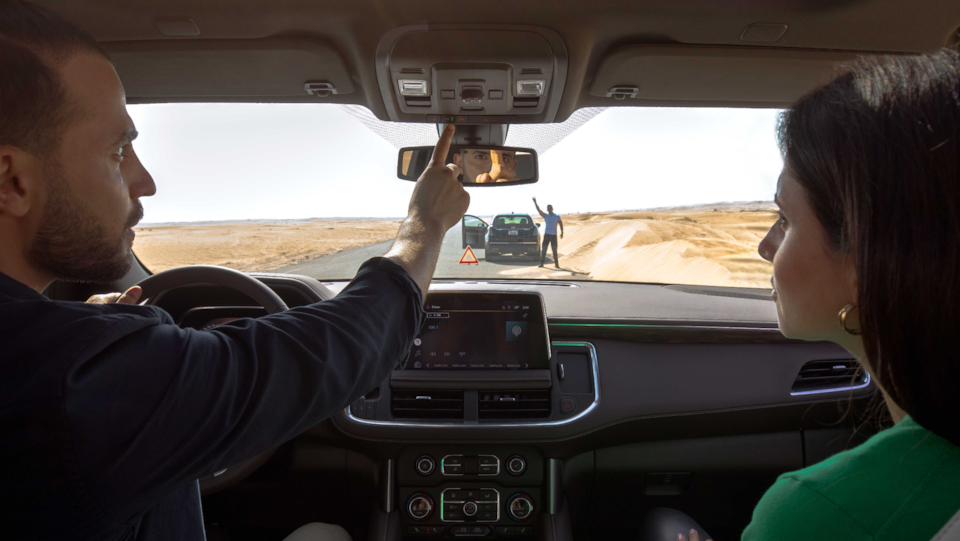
x=482 y=360
x=471 y=491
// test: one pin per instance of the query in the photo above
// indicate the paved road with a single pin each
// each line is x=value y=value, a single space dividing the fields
x=343 y=265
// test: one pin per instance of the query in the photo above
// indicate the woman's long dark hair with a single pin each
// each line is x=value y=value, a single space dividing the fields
x=877 y=151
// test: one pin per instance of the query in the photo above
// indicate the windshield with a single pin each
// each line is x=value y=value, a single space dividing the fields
x=654 y=195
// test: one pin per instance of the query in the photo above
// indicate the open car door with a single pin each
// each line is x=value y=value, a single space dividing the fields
x=474 y=231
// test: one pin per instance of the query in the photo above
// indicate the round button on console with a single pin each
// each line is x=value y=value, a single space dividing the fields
x=469 y=509
x=520 y=507
x=426 y=465
x=420 y=506
x=516 y=465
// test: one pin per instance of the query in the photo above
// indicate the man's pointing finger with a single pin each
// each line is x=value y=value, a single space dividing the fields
x=443 y=146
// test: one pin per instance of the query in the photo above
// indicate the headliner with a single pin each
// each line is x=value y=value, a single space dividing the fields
x=591 y=30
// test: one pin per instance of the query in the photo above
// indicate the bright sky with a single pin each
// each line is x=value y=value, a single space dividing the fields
x=260 y=161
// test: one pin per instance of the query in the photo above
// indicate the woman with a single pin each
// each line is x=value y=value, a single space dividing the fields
x=866 y=254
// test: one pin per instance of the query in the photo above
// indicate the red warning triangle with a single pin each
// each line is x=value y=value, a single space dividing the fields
x=469 y=258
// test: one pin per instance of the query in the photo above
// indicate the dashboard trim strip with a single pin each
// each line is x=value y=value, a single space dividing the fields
x=523 y=425
x=863 y=385
x=685 y=327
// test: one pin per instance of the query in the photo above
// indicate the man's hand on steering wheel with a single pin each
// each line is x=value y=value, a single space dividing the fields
x=131 y=296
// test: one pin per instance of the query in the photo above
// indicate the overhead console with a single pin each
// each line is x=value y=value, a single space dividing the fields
x=471 y=74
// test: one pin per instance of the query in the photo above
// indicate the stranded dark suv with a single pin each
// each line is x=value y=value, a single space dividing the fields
x=511 y=234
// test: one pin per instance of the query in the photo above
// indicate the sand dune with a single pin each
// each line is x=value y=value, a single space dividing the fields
x=254 y=246
x=683 y=246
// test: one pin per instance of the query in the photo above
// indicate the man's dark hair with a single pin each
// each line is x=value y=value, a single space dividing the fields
x=33 y=104
x=877 y=151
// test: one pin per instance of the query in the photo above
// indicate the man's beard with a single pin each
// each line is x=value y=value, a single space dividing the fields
x=72 y=244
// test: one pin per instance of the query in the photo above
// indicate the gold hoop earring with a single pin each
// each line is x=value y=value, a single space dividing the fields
x=844 y=312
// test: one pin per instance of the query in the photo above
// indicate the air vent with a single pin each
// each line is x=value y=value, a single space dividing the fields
x=828 y=376
x=411 y=71
x=419 y=404
x=502 y=405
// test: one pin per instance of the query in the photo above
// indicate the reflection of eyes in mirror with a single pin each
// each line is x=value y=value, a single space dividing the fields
x=482 y=166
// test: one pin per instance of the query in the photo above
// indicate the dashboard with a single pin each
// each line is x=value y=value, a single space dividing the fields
x=666 y=360
x=577 y=393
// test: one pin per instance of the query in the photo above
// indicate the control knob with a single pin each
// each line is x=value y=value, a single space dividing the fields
x=516 y=465
x=420 y=506
x=470 y=509
x=426 y=465
x=520 y=507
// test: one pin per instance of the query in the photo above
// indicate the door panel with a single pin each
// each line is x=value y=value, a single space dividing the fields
x=474 y=231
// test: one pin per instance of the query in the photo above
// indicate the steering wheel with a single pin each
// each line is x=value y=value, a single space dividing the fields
x=154 y=286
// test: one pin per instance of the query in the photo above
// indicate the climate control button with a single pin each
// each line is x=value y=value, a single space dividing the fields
x=469 y=509
x=420 y=506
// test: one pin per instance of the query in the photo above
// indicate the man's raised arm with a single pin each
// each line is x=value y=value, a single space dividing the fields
x=538 y=208
x=437 y=204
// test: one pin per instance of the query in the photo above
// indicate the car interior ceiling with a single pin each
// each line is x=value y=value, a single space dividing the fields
x=679 y=397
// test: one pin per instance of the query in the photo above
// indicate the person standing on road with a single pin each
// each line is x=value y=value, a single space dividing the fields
x=550 y=233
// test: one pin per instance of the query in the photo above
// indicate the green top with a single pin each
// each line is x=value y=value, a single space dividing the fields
x=902 y=484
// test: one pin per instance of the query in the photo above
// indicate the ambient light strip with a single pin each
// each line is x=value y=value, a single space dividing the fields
x=642 y=326
x=863 y=385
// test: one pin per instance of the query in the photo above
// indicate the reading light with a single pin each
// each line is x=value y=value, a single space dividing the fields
x=413 y=87
x=530 y=88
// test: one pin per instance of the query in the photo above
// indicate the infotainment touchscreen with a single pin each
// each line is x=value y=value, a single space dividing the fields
x=465 y=330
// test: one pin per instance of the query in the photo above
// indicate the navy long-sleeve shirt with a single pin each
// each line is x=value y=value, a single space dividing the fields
x=109 y=413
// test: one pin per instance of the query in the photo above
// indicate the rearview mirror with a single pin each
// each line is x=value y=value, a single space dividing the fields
x=479 y=165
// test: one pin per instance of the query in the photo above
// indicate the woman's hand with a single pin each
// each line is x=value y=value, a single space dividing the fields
x=131 y=296
x=694 y=536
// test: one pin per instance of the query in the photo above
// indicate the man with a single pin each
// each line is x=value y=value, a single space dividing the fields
x=109 y=412
x=549 y=233
x=487 y=166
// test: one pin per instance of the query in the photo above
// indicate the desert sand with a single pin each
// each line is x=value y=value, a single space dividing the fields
x=707 y=245
x=254 y=246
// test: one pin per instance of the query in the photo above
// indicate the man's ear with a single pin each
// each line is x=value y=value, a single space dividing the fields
x=20 y=181
x=456 y=160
